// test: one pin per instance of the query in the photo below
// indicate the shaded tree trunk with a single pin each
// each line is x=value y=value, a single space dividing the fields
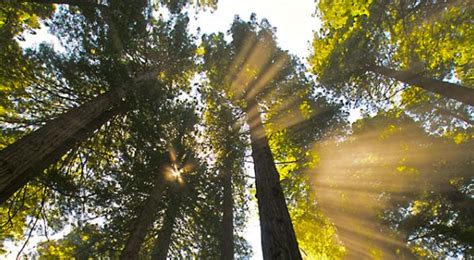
x=227 y=238
x=143 y=222
x=445 y=89
x=20 y=161
x=278 y=237
x=31 y=154
x=163 y=241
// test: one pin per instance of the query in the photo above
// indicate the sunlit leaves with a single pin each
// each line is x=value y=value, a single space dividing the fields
x=317 y=236
x=396 y=180
x=79 y=243
x=437 y=42
x=84 y=183
x=429 y=38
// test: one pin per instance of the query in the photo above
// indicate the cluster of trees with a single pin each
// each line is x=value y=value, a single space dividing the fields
x=132 y=141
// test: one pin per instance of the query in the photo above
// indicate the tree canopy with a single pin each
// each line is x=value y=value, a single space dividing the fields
x=138 y=138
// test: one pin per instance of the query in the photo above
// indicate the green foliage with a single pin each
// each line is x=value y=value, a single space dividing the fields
x=292 y=146
x=428 y=38
x=77 y=244
x=398 y=187
x=103 y=52
x=228 y=144
x=16 y=18
x=387 y=189
x=317 y=236
x=290 y=109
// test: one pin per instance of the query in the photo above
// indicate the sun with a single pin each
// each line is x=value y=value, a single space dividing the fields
x=175 y=172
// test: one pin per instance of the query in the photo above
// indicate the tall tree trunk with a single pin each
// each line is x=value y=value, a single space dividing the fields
x=163 y=241
x=445 y=89
x=20 y=161
x=278 y=236
x=143 y=222
x=227 y=238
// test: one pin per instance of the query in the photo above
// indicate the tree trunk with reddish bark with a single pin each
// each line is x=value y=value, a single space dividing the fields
x=277 y=233
x=30 y=155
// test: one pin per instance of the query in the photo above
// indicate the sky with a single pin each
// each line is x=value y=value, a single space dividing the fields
x=294 y=22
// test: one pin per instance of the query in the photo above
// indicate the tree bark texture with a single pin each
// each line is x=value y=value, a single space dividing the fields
x=31 y=154
x=227 y=238
x=143 y=222
x=163 y=241
x=277 y=234
x=445 y=89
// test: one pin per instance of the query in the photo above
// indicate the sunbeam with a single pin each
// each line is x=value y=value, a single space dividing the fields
x=370 y=183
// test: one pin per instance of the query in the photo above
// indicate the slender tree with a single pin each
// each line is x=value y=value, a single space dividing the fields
x=145 y=219
x=163 y=240
x=167 y=174
x=225 y=138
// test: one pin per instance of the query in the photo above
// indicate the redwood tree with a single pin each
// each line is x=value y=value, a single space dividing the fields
x=249 y=70
x=101 y=59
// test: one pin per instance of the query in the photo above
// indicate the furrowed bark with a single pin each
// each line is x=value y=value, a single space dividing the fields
x=20 y=161
x=227 y=239
x=278 y=237
x=163 y=241
x=143 y=222
x=445 y=89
